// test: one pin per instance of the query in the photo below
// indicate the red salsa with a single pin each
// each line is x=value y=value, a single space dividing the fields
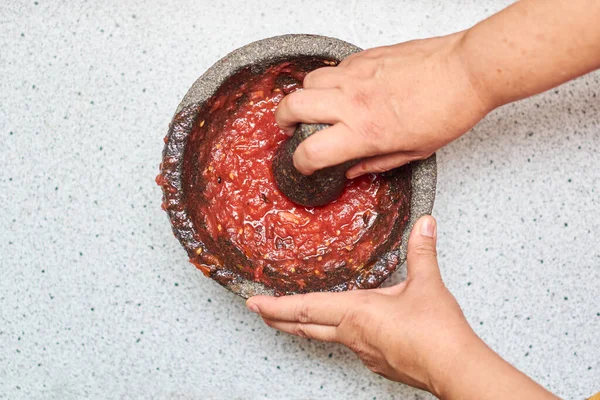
x=248 y=224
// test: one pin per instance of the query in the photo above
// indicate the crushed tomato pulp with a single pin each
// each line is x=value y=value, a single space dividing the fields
x=258 y=231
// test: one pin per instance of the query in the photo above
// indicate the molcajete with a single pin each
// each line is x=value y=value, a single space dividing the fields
x=234 y=224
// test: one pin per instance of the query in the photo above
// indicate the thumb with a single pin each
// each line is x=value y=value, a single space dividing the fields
x=422 y=256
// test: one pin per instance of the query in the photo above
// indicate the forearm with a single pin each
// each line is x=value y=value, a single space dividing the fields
x=480 y=373
x=530 y=47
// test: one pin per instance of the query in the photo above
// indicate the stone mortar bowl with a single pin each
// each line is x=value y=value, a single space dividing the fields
x=423 y=173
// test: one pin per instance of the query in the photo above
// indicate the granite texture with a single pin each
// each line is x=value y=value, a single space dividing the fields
x=266 y=50
x=97 y=299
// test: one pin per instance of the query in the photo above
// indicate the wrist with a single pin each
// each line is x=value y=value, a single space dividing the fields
x=448 y=373
x=477 y=80
x=476 y=371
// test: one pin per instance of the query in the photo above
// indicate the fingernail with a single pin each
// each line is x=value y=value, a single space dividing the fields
x=428 y=227
x=253 y=307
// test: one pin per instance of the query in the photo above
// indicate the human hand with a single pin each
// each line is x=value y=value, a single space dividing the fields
x=414 y=332
x=391 y=105
x=411 y=332
x=388 y=105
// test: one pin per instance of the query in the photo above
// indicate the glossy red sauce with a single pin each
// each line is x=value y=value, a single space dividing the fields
x=234 y=197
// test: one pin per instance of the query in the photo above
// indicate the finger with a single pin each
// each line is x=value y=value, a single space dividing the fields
x=381 y=163
x=422 y=257
x=325 y=78
x=326 y=333
x=309 y=106
x=331 y=146
x=312 y=308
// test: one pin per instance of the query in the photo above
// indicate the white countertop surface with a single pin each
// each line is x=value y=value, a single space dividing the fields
x=97 y=299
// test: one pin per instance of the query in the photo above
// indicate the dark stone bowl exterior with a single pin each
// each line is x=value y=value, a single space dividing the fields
x=424 y=173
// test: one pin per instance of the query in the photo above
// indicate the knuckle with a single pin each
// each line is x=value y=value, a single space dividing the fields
x=360 y=99
x=311 y=151
x=367 y=299
x=377 y=52
x=294 y=101
x=371 y=54
x=373 y=132
x=302 y=313
x=379 y=66
x=309 y=80
x=351 y=320
x=300 y=330
x=346 y=62
x=354 y=319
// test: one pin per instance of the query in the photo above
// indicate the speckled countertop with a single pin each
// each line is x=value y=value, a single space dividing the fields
x=96 y=296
